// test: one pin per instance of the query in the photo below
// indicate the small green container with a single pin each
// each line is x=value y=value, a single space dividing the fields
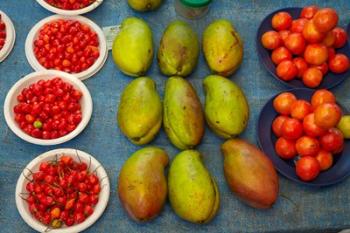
x=192 y=9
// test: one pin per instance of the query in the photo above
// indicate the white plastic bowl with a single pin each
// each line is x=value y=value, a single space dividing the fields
x=10 y=37
x=59 y=11
x=22 y=205
x=11 y=101
x=29 y=45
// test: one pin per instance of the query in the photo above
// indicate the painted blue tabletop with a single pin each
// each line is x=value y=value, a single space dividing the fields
x=299 y=209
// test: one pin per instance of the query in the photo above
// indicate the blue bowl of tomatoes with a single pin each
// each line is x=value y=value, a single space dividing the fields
x=299 y=56
x=290 y=133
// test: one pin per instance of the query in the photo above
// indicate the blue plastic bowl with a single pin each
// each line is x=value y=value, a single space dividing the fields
x=329 y=81
x=267 y=139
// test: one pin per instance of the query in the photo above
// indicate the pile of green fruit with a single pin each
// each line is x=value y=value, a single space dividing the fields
x=192 y=191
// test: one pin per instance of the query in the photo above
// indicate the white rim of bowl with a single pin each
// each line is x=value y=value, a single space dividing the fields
x=86 y=111
x=29 y=48
x=10 y=37
x=59 y=11
x=99 y=208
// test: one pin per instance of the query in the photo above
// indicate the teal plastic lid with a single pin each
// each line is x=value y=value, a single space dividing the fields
x=195 y=3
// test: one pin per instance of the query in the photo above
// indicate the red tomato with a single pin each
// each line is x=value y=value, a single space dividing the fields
x=285 y=148
x=298 y=25
x=333 y=141
x=280 y=54
x=340 y=37
x=295 y=42
x=301 y=65
x=316 y=54
x=277 y=125
x=284 y=34
x=310 y=128
x=329 y=40
x=327 y=115
x=283 y=103
x=311 y=34
x=323 y=68
x=325 y=19
x=339 y=64
x=282 y=21
x=292 y=129
x=300 y=109
x=312 y=77
x=331 y=53
x=325 y=159
x=322 y=96
x=308 y=12
x=271 y=40
x=307 y=146
x=286 y=70
x=307 y=168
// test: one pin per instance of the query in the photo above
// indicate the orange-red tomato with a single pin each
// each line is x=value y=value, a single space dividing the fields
x=329 y=40
x=311 y=34
x=310 y=128
x=325 y=19
x=331 y=53
x=323 y=68
x=295 y=42
x=316 y=54
x=333 y=141
x=301 y=65
x=325 y=159
x=340 y=37
x=282 y=21
x=284 y=34
x=285 y=148
x=277 y=125
x=280 y=54
x=307 y=146
x=283 y=103
x=327 y=115
x=298 y=25
x=312 y=77
x=292 y=129
x=271 y=40
x=339 y=64
x=322 y=96
x=307 y=168
x=300 y=109
x=308 y=12
x=286 y=70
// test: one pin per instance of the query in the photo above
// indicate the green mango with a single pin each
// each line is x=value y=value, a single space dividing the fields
x=183 y=114
x=133 y=47
x=250 y=174
x=226 y=107
x=179 y=50
x=144 y=5
x=193 y=193
x=140 y=111
x=142 y=185
x=222 y=47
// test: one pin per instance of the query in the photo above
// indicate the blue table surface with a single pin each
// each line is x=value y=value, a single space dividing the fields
x=298 y=209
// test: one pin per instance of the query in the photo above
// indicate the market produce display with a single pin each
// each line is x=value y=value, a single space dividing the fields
x=144 y=5
x=140 y=111
x=305 y=48
x=179 y=50
x=189 y=176
x=307 y=128
x=2 y=33
x=70 y=4
x=142 y=185
x=48 y=109
x=133 y=47
x=183 y=114
x=62 y=192
x=66 y=45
